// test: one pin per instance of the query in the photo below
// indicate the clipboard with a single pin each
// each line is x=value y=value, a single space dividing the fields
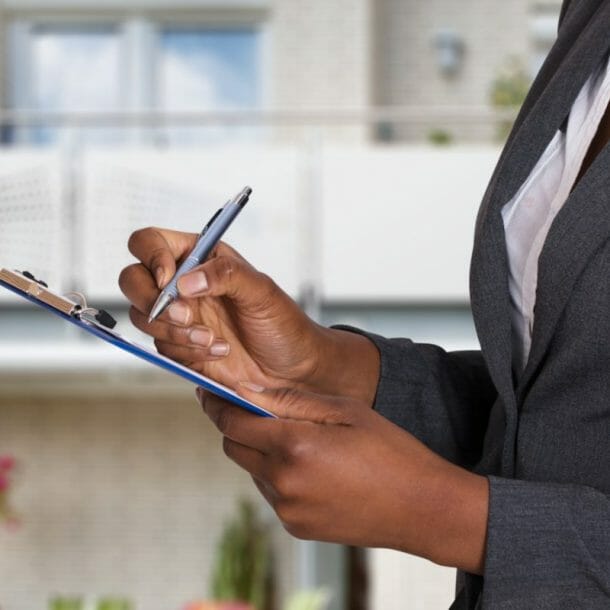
x=73 y=309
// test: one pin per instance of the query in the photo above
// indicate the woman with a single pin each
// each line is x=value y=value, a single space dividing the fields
x=495 y=462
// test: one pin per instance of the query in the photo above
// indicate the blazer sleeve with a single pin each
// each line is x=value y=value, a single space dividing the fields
x=442 y=398
x=548 y=546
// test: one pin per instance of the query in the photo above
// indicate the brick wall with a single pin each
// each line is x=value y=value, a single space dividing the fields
x=122 y=490
x=406 y=61
x=321 y=56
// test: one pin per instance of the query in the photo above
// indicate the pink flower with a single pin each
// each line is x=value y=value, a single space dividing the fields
x=4 y=482
x=7 y=462
x=12 y=523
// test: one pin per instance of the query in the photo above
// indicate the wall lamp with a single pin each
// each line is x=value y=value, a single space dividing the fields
x=450 y=51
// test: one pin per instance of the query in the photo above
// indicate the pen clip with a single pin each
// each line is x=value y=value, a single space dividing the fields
x=210 y=222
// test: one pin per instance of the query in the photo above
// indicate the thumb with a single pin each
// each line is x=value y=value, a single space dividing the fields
x=230 y=276
x=289 y=403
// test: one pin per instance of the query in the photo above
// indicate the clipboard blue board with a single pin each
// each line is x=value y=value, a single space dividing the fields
x=75 y=313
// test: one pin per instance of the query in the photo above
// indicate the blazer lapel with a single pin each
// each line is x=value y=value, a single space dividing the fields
x=580 y=229
x=584 y=41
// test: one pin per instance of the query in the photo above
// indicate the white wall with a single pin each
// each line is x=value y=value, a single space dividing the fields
x=364 y=224
x=123 y=489
x=403 y=582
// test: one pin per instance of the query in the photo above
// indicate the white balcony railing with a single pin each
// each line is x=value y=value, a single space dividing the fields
x=351 y=221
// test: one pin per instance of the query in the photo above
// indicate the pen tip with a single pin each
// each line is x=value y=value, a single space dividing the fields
x=150 y=319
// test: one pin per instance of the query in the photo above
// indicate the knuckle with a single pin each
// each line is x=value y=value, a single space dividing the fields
x=227 y=446
x=266 y=282
x=138 y=237
x=225 y=266
x=284 y=510
x=288 y=396
x=157 y=257
x=296 y=531
x=283 y=483
x=165 y=348
x=126 y=277
x=290 y=400
x=177 y=334
x=136 y=318
x=298 y=450
x=267 y=290
x=289 y=515
x=223 y=421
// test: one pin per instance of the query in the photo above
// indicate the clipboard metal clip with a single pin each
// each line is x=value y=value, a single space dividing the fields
x=73 y=304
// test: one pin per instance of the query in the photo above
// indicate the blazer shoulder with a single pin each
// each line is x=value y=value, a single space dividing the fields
x=564 y=9
x=584 y=8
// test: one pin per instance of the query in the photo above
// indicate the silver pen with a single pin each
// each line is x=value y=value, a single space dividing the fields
x=208 y=238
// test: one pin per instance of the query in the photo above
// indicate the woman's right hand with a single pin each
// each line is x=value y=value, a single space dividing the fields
x=233 y=323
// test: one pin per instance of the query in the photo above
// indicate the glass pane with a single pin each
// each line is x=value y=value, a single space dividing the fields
x=74 y=69
x=209 y=69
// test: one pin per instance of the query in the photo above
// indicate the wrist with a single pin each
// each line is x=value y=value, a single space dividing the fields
x=459 y=506
x=346 y=364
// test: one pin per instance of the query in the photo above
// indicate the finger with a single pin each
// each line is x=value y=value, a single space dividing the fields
x=265 y=490
x=194 y=336
x=159 y=249
x=226 y=275
x=192 y=356
x=138 y=285
x=288 y=403
x=224 y=249
x=240 y=425
x=249 y=459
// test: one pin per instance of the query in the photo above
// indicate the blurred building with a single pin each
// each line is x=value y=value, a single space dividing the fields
x=368 y=130
x=199 y=54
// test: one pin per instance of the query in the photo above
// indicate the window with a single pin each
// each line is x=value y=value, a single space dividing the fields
x=209 y=69
x=68 y=69
x=129 y=65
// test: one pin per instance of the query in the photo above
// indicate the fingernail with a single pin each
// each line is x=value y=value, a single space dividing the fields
x=193 y=283
x=219 y=348
x=160 y=277
x=200 y=336
x=253 y=387
x=179 y=313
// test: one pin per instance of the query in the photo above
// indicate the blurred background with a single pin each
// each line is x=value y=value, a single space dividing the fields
x=368 y=130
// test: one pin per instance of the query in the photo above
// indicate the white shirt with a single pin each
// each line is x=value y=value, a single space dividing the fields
x=529 y=215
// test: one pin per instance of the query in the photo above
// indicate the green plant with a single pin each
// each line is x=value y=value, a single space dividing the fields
x=66 y=603
x=509 y=89
x=242 y=568
x=440 y=137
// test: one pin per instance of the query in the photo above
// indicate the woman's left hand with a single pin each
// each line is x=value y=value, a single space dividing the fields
x=337 y=471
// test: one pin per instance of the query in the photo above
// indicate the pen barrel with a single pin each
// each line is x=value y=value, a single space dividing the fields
x=171 y=290
x=206 y=243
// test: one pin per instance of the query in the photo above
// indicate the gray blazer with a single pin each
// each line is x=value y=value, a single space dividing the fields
x=543 y=440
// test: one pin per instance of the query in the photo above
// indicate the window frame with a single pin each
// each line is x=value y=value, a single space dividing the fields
x=139 y=39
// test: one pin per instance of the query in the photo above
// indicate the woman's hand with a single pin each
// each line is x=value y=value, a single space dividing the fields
x=233 y=322
x=335 y=471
